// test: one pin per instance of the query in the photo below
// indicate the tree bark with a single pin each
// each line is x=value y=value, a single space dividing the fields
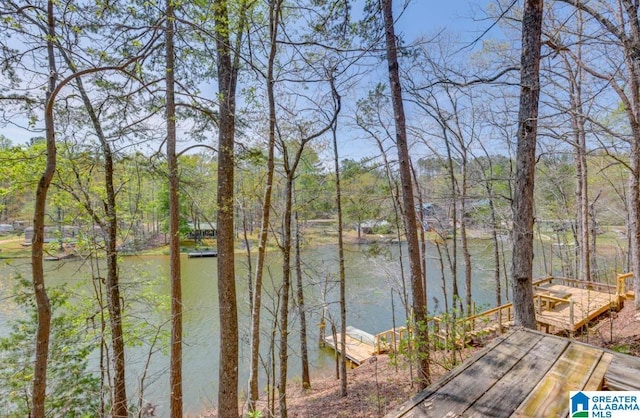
x=43 y=305
x=274 y=16
x=283 y=352
x=523 y=204
x=413 y=245
x=227 y=299
x=304 y=352
x=630 y=98
x=174 y=221
x=110 y=227
x=343 y=292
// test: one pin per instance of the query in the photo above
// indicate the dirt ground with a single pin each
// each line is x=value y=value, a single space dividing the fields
x=620 y=333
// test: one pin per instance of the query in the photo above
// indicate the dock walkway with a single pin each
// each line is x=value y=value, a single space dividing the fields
x=359 y=345
x=562 y=306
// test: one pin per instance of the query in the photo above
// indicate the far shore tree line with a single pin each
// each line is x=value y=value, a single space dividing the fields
x=144 y=116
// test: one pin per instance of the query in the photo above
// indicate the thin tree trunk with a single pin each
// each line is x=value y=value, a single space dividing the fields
x=37 y=243
x=284 y=296
x=174 y=221
x=274 y=16
x=418 y=292
x=453 y=258
x=304 y=352
x=343 y=291
x=496 y=253
x=466 y=255
x=110 y=227
x=579 y=135
x=592 y=234
x=522 y=205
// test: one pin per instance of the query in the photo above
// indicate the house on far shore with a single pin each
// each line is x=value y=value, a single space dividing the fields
x=202 y=230
x=434 y=217
x=67 y=233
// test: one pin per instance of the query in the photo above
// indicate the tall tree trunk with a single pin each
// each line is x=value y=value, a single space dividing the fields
x=283 y=352
x=110 y=227
x=453 y=258
x=227 y=299
x=413 y=245
x=632 y=56
x=466 y=255
x=343 y=296
x=522 y=205
x=593 y=264
x=174 y=222
x=274 y=16
x=630 y=97
x=304 y=352
x=496 y=251
x=37 y=243
x=576 y=81
x=113 y=292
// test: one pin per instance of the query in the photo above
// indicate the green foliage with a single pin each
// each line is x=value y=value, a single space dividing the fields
x=72 y=389
x=254 y=414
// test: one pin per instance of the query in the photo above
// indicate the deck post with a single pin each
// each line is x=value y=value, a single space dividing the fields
x=571 y=321
x=395 y=343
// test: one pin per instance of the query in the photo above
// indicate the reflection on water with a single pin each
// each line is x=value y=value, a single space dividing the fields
x=370 y=281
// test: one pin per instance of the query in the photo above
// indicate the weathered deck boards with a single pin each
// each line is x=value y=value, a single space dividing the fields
x=502 y=398
x=457 y=395
x=622 y=374
x=525 y=374
x=359 y=345
x=587 y=305
x=571 y=371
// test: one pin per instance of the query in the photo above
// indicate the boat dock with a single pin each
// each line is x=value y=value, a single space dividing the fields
x=562 y=306
x=359 y=345
x=202 y=254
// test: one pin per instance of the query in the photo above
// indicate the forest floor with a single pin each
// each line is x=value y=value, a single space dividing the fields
x=379 y=386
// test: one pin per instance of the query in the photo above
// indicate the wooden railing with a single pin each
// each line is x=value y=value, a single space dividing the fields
x=579 y=284
x=389 y=340
x=621 y=288
x=501 y=314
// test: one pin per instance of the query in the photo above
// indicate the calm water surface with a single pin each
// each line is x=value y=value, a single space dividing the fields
x=369 y=284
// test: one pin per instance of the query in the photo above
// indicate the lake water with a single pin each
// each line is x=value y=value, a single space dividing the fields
x=369 y=284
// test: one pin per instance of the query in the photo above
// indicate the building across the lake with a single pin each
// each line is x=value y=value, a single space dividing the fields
x=202 y=230
x=66 y=233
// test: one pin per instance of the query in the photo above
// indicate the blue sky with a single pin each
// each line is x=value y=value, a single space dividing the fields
x=430 y=16
x=422 y=18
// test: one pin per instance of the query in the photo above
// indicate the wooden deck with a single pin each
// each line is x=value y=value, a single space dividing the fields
x=562 y=305
x=574 y=311
x=523 y=374
x=359 y=345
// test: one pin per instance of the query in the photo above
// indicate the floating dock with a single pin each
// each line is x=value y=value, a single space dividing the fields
x=359 y=345
x=202 y=254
